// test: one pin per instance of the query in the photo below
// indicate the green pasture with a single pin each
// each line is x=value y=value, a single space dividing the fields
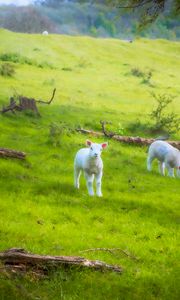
x=39 y=208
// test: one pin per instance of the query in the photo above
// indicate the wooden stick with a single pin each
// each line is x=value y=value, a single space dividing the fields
x=12 y=153
x=128 y=139
x=17 y=257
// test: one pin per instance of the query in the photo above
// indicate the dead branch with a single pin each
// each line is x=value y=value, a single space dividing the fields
x=47 y=102
x=91 y=132
x=11 y=107
x=112 y=251
x=25 y=103
x=110 y=134
x=128 y=139
x=18 y=257
x=12 y=153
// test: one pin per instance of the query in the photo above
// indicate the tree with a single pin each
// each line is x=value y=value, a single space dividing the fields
x=25 y=19
x=148 y=10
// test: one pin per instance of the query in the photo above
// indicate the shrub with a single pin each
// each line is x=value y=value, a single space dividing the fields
x=7 y=69
x=67 y=69
x=120 y=129
x=45 y=64
x=169 y=122
x=146 y=78
x=137 y=72
x=17 y=58
x=57 y=131
x=145 y=75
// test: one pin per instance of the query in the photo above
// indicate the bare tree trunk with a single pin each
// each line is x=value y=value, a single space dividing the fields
x=19 y=257
x=12 y=153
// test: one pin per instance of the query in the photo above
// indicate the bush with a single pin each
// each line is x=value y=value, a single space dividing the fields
x=18 y=58
x=7 y=69
x=137 y=72
x=169 y=122
x=145 y=75
x=57 y=131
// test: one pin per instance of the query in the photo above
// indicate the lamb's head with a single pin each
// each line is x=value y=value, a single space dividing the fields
x=95 y=149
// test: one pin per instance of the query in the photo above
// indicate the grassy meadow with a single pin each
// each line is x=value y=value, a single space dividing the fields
x=39 y=208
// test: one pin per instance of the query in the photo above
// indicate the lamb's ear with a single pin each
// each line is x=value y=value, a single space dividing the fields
x=104 y=145
x=88 y=143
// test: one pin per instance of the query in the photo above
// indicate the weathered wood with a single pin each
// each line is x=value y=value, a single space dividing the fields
x=128 y=139
x=17 y=257
x=25 y=103
x=12 y=153
x=28 y=103
x=108 y=134
x=91 y=132
x=47 y=102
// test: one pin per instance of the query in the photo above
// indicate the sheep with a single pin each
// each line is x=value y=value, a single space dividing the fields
x=89 y=160
x=45 y=32
x=167 y=155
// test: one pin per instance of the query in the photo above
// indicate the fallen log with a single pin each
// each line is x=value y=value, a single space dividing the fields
x=19 y=257
x=128 y=139
x=12 y=153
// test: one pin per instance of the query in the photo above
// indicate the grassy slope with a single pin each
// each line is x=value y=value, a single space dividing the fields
x=139 y=211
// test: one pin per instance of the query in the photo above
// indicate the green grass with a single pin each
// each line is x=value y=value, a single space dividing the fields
x=139 y=211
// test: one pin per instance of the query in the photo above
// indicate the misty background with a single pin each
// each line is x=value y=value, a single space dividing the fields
x=75 y=17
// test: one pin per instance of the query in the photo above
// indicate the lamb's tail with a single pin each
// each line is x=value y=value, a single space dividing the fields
x=162 y=138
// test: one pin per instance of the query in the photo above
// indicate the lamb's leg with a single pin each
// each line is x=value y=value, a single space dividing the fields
x=170 y=170
x=89 y=183
x=149 y=162
x=162 y=168
x=77 y=174
x=178 y=172
x=98 y=184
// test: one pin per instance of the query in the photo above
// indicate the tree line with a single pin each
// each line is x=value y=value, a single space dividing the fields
x=104 y=18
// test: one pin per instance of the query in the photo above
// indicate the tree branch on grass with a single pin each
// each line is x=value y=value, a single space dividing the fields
x=127 y=139
x=21 y=258
x=12 y=153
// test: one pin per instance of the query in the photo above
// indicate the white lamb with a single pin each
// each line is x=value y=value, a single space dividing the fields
x=167 y=155
x=45 y=32
x=89 y=160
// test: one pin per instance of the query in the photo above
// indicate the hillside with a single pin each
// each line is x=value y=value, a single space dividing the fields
x=94 y=73
x=40 y=210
